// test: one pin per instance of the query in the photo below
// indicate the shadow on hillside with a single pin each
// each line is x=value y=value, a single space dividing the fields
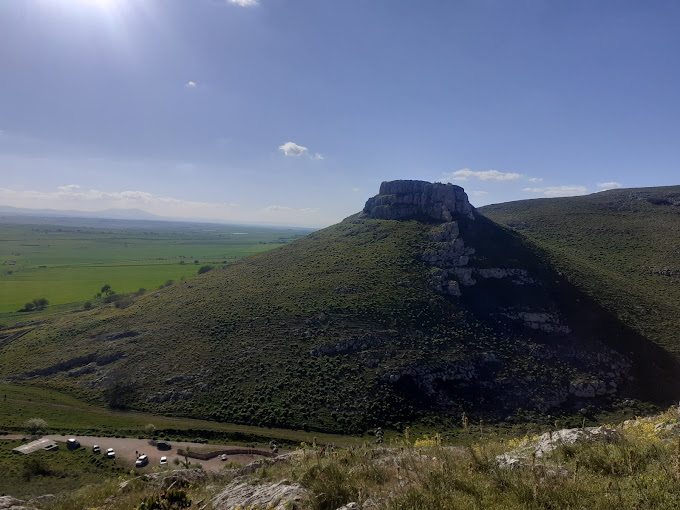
x=656 y=371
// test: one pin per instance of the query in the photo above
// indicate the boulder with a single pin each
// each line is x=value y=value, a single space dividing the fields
x=276 y=496
x=10 y=503
x=550 y=441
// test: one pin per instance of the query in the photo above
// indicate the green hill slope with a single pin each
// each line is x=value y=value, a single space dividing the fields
x=417 y=308
x=622 y=247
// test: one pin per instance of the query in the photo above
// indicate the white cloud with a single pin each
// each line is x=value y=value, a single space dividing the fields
x=558 y=191
x=479 y=193
x=244 y=3
x=286 y=209
x=291 y=149
x=609 y=185
x=70 y=187
x=191 y=84
x=356 y=190
x=535 y=179
x=486 y=175
x=277 y=208
x=318 y=156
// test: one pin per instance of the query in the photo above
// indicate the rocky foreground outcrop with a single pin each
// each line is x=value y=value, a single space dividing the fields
x=277 y=496
x=550 y=441
x=401 y=200
x=10 y=503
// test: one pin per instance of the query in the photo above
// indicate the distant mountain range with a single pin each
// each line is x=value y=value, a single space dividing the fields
x=116 y=214
x=70 y=217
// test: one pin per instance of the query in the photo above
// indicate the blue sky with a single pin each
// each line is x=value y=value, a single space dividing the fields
x=294 y=111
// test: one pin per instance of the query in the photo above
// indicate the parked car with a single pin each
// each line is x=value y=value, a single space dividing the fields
x=163 y=445
x=223 y=457
x=72 y=444
x=96 y=449
x=164 y=461
x=51 y=447
x=110 y=454
x=141 y=461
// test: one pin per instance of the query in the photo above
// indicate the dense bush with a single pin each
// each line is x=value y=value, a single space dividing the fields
x=36 y=304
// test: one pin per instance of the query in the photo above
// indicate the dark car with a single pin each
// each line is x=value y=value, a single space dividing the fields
x=72 y=444
x=163 y=445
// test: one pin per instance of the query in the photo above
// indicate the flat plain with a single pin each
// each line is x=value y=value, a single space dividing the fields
x=68 y=262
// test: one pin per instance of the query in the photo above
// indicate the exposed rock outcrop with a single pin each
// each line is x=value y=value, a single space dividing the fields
x=10 y=503
x=550 y=441
x=277 y=496
x=179 y=477
x=401 y=200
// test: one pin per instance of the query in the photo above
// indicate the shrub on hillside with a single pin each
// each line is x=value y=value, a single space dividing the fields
x=36 y=304
x=35 y=426
x=35 y=467
x=123 y=302
x=112 y=298
x=205 y=269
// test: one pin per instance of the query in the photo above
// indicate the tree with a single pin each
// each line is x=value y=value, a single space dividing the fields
x=35 y=425
x=106 y=289
x=150 y=429
x=40 y=303
x=205 y=269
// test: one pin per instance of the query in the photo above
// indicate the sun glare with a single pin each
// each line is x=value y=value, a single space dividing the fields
x=106 y=5
x=100 y=3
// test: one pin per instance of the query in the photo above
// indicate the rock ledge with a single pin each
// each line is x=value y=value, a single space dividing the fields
x=400 y=200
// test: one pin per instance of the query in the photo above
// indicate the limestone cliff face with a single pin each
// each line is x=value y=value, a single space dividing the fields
x=400 y=200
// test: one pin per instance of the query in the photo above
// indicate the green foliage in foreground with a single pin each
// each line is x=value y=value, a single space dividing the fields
x=638 y=471
x=40 y=473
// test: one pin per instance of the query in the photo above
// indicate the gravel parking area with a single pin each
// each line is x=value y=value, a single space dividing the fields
x=127 y=448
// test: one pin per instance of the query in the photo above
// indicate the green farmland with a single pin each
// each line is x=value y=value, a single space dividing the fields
x=69 y=263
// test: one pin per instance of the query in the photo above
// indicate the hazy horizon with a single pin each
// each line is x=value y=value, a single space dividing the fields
x=279 y=112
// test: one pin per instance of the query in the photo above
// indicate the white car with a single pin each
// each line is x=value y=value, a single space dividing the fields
x=96 y=449
x=164 y=461
x=141 y=461
x=110 y=454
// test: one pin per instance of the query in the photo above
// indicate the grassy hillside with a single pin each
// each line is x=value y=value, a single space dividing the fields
x=347 y=329
x=44 y=472
x=621 y=247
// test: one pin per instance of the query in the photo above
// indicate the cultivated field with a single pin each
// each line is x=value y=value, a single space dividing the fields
x=69 y=263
